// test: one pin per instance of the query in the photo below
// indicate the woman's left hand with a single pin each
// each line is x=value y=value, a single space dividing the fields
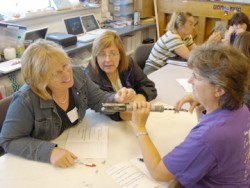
x=125 y=95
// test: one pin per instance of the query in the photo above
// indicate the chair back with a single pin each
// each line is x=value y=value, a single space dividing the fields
x=4 y=105
x=141 y=54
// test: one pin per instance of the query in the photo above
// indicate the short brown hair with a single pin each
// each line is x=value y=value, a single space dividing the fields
x=240 y=18
x=224 y=66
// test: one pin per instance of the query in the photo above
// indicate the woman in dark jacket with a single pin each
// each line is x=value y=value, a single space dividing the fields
x=111 y=70
x=239 y=23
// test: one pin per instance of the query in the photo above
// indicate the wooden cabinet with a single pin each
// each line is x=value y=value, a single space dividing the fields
x=206 y=14
x=145 y=7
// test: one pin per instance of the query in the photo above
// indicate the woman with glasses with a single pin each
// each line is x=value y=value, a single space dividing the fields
x=216 y=152
x=54 y=98
x=111 y=70
x=177 y=41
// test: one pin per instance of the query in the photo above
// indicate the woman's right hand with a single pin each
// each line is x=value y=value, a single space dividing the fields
x=186 y=99
x=228 y=34
x=141 y=111
x=231 y=30
x=125 y=95
x=62 y=158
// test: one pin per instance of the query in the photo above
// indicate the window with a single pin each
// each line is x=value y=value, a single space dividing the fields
x=12 y=9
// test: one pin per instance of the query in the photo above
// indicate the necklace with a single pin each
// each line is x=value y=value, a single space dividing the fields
x=61 y=101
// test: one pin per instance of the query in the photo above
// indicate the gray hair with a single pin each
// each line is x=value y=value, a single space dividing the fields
x=224 y=66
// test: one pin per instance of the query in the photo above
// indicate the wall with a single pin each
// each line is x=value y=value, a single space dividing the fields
x=54 y=20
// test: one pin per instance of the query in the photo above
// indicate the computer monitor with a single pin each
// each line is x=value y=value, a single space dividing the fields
x=73 y=25
x=89 y=22
x=36 y=34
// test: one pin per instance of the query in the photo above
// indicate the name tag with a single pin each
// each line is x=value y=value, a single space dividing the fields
x=73 y=115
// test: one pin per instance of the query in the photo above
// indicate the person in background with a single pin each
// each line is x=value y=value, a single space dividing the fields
x=111 y=69
x=242 y=42
x=239 y=23
x=177 y=41
x=216 y=151
x=54 y=98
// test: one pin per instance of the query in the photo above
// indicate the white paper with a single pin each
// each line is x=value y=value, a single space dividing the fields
x=88 y=142
x=133 y=174
x=184 y=83
x=177 y=62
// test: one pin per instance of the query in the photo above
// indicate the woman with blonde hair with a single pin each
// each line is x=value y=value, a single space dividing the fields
x=54 y=98
x=177 y=41
x=111 y=69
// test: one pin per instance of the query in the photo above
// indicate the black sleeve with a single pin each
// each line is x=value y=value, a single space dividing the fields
x=142 y=84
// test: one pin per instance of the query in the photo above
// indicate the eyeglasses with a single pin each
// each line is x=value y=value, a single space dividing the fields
x=112 y=55
x=56 y=76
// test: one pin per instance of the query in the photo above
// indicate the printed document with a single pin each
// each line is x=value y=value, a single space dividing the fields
x=134 y=174
x=88 y=142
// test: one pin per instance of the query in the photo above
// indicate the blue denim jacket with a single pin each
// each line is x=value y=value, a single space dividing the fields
x=32 y=122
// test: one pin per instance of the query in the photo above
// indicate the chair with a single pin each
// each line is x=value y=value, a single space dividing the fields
x=4 y=105
x=141 y=54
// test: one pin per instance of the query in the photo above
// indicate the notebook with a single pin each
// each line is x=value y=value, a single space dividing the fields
x=177 y=61
x=36 y=34
x=91 y=25
x=74 y=27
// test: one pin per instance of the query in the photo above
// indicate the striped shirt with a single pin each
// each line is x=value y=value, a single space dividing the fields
x=164 y=49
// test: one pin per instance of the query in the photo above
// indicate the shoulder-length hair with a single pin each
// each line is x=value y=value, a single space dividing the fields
x=36 y=63
x=104 y=41
x=223 y=66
